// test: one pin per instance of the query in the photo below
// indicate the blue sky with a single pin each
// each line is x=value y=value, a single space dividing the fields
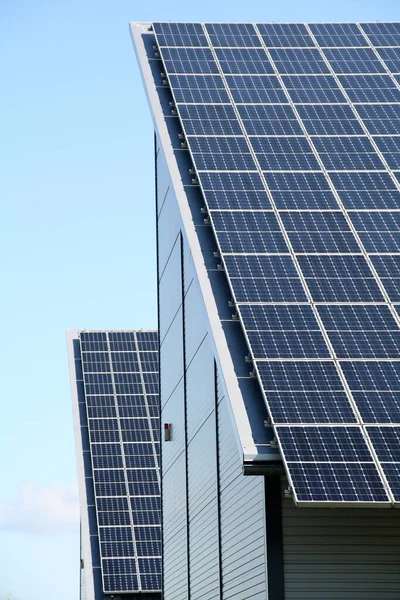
x=77 y=238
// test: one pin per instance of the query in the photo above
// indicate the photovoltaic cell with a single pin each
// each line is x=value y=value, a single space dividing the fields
x=391 y=58
x=232 y=35
x=380 y=119
x=285 y=34
x=269 y=120
x=199 y=88
x=298 y=61
x=370 y=88
x=313 y=89
x=382 y=34
x=180 y=34
x=296 y=157
x=386 y=442
x=335 y=119
x=310 y=407
x=260 y=89
x=338 y=482
x=324 y=444
x=353 y=60
x=189 y=60
x=248 y=61
x=366 y=190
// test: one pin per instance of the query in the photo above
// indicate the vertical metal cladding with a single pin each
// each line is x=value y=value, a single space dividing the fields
x=196 y=550
x=172 y=390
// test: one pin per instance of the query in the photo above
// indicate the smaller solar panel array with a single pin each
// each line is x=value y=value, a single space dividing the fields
x=120 y=374
x=294 y=134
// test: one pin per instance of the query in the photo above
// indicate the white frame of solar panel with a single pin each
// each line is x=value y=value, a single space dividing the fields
x=86 y=553
x=323 y=169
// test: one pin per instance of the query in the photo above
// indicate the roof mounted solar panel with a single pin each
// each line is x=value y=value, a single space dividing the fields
x=303 y=162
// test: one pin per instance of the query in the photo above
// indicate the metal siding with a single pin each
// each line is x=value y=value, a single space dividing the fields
x=172 y=412
x=195 y=317
x=171 y=359
x=340 y=554
x=169 y=214
x=170 y=286
x=203 y=515
x=201 y=431
x=242 y=520
x=175 y=532
x=243 y=557
x=200 y=389
x=173 y=466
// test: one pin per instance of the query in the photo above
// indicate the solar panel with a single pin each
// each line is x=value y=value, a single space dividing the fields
x=120 y=375
x=293 y=137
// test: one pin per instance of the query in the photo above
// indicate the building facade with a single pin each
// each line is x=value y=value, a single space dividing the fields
x=278 y=307
x=114 y=383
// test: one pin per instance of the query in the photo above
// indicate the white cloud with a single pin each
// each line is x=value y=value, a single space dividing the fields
x=41 y=508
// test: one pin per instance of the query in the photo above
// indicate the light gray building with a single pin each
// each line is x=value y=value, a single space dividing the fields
x=277 y=191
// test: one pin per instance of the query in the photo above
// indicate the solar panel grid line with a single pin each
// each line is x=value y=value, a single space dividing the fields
x=361 y=122
x=354 y=231
x=327 y=341
x=132 y=524
x=333 y=189
x=115 y=576
x=386 y=439
x=153 y=441
x=374 y=50
x=334 y=450
x=227 y=47
x=104 y=581
x=325 y=359
x=307 y=135
x=249 y=145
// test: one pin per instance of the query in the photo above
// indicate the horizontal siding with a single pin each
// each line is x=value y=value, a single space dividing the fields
x=203 y=516
x=175 y=532
x=242 y=520
x=341 y=554
x=201 y=449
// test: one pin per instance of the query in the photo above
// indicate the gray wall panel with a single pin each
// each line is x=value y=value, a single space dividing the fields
x=171 y=358
x=242 y=520
x=346 y=554
x=202 y=467
x=173 y=464
x=170 y=287
x=196 y=322
x=175 y=533
x=200 y=389
x=168 y=219
x=173 y=413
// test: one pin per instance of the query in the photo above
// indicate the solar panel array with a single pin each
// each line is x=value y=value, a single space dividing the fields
x=120 y=374
x=294 y=134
